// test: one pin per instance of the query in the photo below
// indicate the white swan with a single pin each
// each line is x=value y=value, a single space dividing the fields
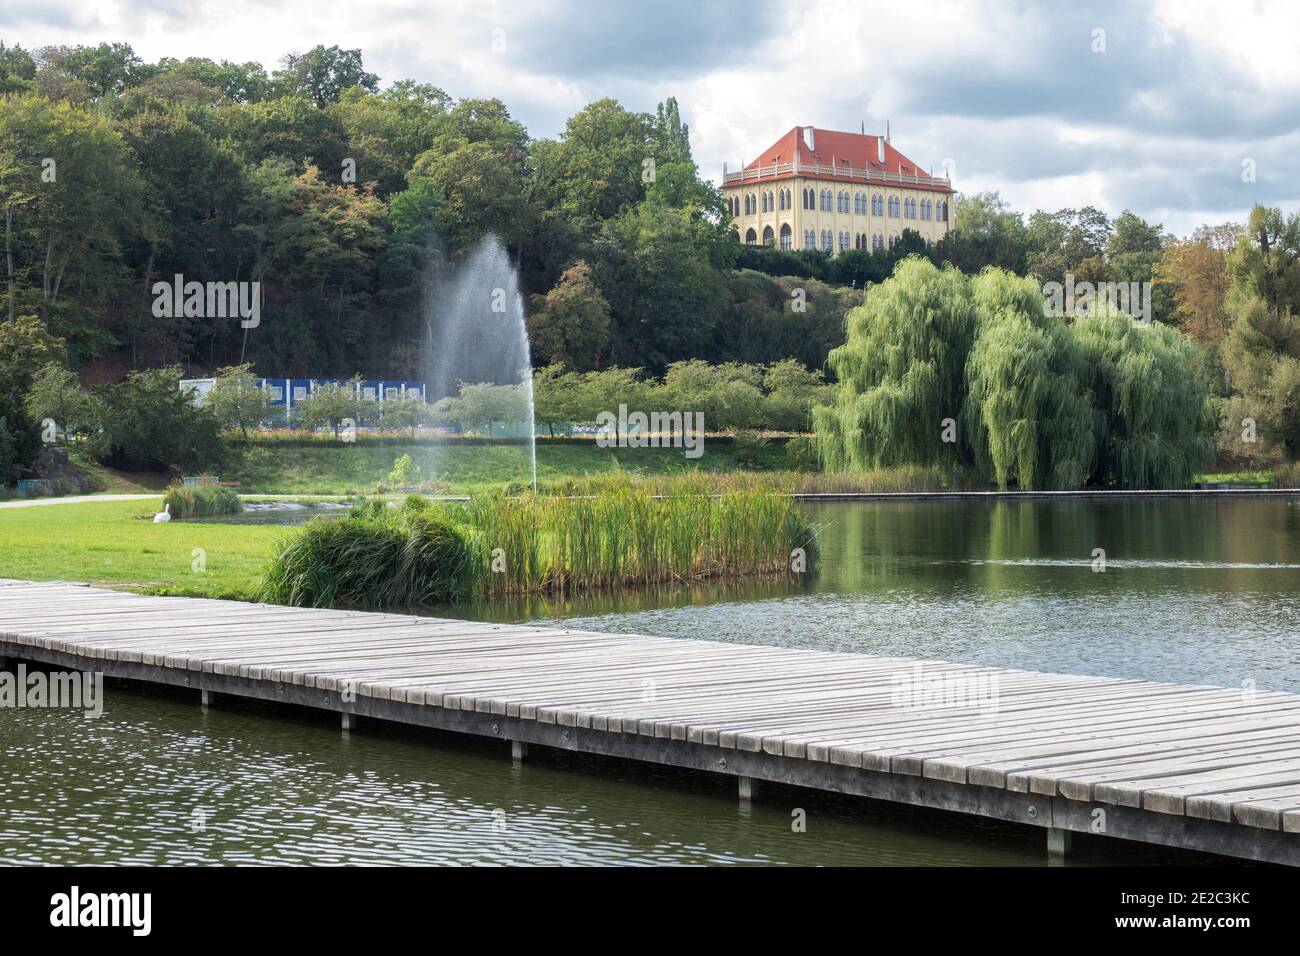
x=164 y=515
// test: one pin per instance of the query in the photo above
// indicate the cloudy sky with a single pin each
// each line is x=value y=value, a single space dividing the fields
x=1161 y=107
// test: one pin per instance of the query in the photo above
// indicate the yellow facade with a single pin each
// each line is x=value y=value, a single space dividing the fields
x=768 y=217
x=852 y=206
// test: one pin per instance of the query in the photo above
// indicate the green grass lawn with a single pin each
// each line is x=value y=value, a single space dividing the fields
x=270 y=467
x=116 y=544
x=1261 y=478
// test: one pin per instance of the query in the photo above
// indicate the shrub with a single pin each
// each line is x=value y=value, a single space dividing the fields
x=149 y=423
x=405 y=473
x=801 y=454
x=9 y=454
x=748 y=447
x=1287 y=475
x=413 y=558
x=202 y=501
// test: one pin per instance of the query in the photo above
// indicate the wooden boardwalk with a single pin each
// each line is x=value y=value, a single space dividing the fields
x=1207 y=768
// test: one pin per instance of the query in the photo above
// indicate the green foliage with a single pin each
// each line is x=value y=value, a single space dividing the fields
x=409 y=558
x=730 y=395
x=323 y=73
x=67 y=237
x=202 y=501
x=1158 y=416
x=901 y=372
x=148 y=423
x=236 y=399
x=11 y=458
x=572 y=325
x=1025 y=418
x=1042 y=404
x=56 y=394
x=482 y=405
x=748 y=447
x=404 y=411
x=1262 y=351
x=26 y=347
x=616 y=532
x=772 y=319
x=986 y=231
x=405 y=473
x=332 y=405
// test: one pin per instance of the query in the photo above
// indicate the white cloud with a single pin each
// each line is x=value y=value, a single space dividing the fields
x=1011 y=91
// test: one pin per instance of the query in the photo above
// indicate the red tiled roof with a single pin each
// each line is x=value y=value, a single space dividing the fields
x=840 y=150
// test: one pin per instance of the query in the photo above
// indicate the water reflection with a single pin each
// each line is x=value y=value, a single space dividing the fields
x=158 y=781
x=1197 y=590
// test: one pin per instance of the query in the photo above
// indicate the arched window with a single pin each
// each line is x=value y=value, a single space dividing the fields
x=827 y=200
x=828 y=241
x=909 y=209
x=943 y=210
x=809 y=200
x=787 y=237
x=809 y=239
x=842 y=201
x=736 y=236
x=893 y=241
x=860 y=204
x=893 y=206
x=768 y=237
x=844 y=240
x=877 y=242
x=751 y=238
x=877 y=205
x=860 y=241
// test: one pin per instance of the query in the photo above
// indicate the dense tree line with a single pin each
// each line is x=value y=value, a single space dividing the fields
x=339 y=197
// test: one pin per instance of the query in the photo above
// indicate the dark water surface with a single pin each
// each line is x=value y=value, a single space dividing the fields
x=1194 y=590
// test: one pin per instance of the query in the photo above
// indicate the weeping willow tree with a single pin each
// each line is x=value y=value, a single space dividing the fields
x=1041 y=404
x=900 y=372
x=1026 y=416
x=1158 y=411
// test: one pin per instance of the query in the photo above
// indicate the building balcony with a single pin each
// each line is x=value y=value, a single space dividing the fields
x=848 y=173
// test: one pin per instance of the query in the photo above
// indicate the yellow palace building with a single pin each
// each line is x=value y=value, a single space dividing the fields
x=822 y=189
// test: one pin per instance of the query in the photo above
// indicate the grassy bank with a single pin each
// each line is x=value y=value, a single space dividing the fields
x=324 y=468
x=116 y=544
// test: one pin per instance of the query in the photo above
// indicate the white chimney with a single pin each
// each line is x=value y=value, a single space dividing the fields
x=880 y=149
x=808 y=138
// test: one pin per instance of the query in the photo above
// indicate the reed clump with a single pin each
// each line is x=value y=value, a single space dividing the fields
x=622 y=532
x=201 y=501
x=410 y=556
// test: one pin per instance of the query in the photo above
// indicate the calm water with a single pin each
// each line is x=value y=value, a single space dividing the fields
x=1204 y=590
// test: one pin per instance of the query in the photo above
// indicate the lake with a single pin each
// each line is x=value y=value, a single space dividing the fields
x=1200 y=590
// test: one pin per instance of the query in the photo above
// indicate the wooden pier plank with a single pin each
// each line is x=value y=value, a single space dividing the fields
x=1196 y=751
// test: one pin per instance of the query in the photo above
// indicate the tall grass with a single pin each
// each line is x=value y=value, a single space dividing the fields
x=411 y=558
x=913 y=478
x=620 y=532
x=201 y=501
x=630 y=533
